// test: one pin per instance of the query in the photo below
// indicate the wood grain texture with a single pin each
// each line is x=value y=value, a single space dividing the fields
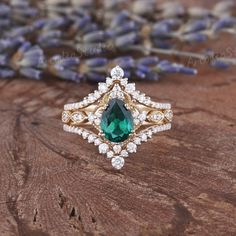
x=182 y=182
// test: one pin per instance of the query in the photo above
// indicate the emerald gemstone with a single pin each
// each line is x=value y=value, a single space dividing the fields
x=117 y=121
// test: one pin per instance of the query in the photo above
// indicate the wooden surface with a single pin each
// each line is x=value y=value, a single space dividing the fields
x=182 y=182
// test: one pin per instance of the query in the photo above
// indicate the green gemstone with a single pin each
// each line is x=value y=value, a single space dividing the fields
x=117 y=121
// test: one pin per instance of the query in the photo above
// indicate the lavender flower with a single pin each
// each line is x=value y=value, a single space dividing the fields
x=6 y=72
x=29 y=60
x=66 y=68
x=141 y=26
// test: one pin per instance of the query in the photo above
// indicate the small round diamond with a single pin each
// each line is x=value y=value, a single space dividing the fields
x=91 y=117
x=137 y=141
x=91 y=138
x=103 y=148
x=102 y=87
x=136 y=121
x=149 y=133
x=109 y=81
x=79 y=131
x=97 y=142
x=85 y=135
x=130 y=87
x=110 y=154
x=124 y=153
x=117 y=149
x=142 y=117
x=131 y=147
x=118 y=162
x=117 y=72
x=144 y=138
x=124 y=81
x=97 y=121
x=91 y=98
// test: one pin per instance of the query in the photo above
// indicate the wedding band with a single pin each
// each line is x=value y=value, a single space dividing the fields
x=117 y=118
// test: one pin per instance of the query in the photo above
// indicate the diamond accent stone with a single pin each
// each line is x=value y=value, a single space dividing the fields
x=157 y=116
x=77 y=117
x=142 y=117
x=103 y=148
x=97 y=142
x=149 y=133
x=65 y=116
x=91 y=117
x=110 y=154
x=118 y=162
x=168 y=114
x=117 y=149
x=91 y=138
x=136 y=121
x=124 y=153
x=130 y=88
x=137 y=141
x=85 y=135
x=97 y=121
x=144 y=138
x=131 y=147
x=117 y=72
x=124 y=81
x=91 y=98
x=102 y=87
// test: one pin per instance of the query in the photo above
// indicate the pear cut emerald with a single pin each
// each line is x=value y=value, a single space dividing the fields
x=117 y=121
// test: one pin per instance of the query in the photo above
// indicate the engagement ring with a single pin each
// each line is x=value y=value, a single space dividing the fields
x=117 y=118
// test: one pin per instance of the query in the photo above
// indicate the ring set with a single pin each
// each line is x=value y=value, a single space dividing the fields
x=117 y=118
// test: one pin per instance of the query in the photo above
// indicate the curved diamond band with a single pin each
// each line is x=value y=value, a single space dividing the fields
x=117 y=118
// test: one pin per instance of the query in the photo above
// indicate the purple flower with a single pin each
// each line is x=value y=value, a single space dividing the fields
x=94 y=37
x=225 y=22
x=50 y=38
x=65 y=68
x=194 y=37
x=4 y=10
x=10 y=43
x=29 y=60
x=119 y=19
x=19 y=31
x=196 y=26
x=126 y=40
x=220 y=64
x=96 y=62
x=6 y=73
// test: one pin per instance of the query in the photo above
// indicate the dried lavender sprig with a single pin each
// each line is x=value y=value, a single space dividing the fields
x=196 y=31
x=95 y=69
x=18 y=12
x=121 y=40
x=30 y=61
x=214 y=59
x=143 y=10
